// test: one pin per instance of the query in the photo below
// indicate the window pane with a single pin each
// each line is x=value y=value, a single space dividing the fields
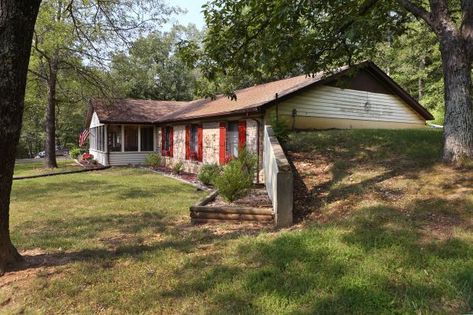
x=147 y=138
x=232 y=139
x=100 y=138
x=115 y=138
x=194 y=139
x=92 y=137
x=131 y=138
x=167 y=139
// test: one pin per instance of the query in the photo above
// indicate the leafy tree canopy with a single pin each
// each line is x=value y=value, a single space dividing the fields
x=152 y=69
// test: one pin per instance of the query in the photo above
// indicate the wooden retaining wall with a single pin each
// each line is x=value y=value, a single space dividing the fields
x=201 y=213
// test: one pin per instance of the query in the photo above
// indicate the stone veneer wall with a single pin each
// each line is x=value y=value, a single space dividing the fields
x=210 y=142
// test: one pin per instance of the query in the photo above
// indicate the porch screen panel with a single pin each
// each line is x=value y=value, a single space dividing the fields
x=147 y=138
x=100 y=138
x=115 y=138
x=131 y=138
x=93 y=138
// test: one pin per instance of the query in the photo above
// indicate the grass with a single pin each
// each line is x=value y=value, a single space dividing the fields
x=386 y=229
x=38 y=168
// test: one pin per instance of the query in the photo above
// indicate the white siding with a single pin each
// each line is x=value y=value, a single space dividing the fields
x=95 y=122
x=126 y=158
x=99 y=156
x=333 y=102
x=211 y=142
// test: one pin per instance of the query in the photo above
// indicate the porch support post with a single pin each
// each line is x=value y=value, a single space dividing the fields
x=106 y=138
x=139 y=138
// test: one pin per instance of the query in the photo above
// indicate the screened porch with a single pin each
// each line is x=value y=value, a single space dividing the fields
x=122 y=144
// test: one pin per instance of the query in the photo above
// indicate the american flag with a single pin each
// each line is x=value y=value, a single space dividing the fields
x=83 y=137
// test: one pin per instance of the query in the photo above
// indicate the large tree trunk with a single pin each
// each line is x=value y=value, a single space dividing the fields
x=51 y=116
x=458 y=127
x=17 y=20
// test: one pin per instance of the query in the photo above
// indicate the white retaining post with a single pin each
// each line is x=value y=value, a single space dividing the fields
x=278 y=179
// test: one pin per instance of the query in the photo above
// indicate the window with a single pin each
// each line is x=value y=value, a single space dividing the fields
x=131 y=138
x=166 y=141
x=232 y=139
x=92 y=138
x=147 y=138
x=97 y=136
x=115 y=138
x=194 y=141
x=100 y=138
x=194 y=148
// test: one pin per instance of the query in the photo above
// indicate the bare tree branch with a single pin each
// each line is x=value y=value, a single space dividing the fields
x=39 y=75
x=418 y=11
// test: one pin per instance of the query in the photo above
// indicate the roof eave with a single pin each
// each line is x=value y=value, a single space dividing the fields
x=251 y=110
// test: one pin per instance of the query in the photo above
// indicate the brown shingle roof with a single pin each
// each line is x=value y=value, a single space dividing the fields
x=248 y=99
x=252 y=98
x=133 y=111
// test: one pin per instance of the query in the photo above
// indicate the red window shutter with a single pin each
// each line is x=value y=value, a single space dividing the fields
x=163 y=140
x=200 y=143
x=241 y=134
x=171 y=140
x=223 y=137
x=188 y=142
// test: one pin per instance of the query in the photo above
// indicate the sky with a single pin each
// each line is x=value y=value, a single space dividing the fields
x=194 y=14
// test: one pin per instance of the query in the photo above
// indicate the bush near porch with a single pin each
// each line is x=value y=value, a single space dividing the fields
x=388 y=230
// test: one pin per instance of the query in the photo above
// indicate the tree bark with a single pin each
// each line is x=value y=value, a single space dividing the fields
x=17 y=20
x=458 y=126
x=51 y=115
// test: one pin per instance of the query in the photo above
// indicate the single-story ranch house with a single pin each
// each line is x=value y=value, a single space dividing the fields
x=203 y=131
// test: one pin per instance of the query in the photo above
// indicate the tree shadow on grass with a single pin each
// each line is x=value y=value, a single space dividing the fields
x=375 y=262
x=111 y=236
x=394 y=152
x=30 y=192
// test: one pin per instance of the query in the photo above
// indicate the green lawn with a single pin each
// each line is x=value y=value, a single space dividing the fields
x=119 y=241
x=38 y=168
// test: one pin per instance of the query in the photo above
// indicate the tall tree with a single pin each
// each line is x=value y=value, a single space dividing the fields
x=77 y=36
x=283 y=34
x=17 y=20
x=152 y=69
x=413 y=60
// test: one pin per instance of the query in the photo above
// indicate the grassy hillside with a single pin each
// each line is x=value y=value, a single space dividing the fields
x=392 y=218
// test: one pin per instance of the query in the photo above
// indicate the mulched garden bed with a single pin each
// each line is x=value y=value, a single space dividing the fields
x=184 y=176
x=257 y=198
